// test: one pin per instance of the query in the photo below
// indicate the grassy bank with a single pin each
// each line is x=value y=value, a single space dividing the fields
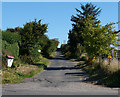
x=16 y=75
x=102 y=73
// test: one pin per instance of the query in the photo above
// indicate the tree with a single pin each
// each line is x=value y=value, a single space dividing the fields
x=64 y=48
x=30 y=36
x=50 y=48
x=87 y=9
x=97 y=39
x=75 y=35
x=30 y=39
x=10 y=37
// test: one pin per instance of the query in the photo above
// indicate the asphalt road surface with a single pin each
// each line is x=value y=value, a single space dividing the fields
x=60 y=78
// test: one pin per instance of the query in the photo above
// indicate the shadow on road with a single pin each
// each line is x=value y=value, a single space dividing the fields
x=58 y=58
x=76 y=74
x=61 y=68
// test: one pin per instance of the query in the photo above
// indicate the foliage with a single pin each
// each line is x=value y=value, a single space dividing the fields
x=30 y=36
x=86 y=10
x=97 y=39
x=75 y=36
x=33 y=39
x=50 y=48
x=83 y=58
x=4 y=62
x=10 y=46
x=43 y=41
x=10 y=37
x=64 y=48
x=16 y=63
x=87 y=35
x=11 y=49
x=16 y=75
x=30 y=39
x=79 y=51
x=16 y=30
x=102 y=73
x=67 y=54
x=29 y=59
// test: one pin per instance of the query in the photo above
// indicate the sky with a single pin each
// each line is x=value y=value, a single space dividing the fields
x=56 y=14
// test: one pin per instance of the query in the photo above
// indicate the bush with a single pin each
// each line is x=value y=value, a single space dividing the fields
x=67 y=54
x=50 y=48
x=10 y=49
x=104 y=73
x=4 y=62
x=79 y=50
x=16 y=63
x=30 y=59
x=112 y=80
x=10 y=37
x=64 y=48
x=26 y=59
x=83 y=58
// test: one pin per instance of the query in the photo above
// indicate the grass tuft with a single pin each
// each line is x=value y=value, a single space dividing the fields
x=102 y=72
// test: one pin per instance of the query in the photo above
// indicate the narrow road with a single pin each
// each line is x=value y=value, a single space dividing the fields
x=60 y=78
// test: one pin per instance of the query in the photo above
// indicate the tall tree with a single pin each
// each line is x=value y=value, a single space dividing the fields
x=88 y=9
x=30 y=36
x=75 y=35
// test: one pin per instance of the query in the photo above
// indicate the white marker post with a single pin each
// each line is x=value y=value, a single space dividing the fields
x=9 y=60
x=39 y=51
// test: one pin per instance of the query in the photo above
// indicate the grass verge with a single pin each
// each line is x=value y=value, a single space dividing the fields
x=16 y=75
x=101 y=74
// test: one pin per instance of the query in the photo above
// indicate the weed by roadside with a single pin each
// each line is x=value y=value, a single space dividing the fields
x=102 y=73
x=16 y=75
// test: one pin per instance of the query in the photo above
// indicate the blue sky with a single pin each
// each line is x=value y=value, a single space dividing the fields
x=56 y=15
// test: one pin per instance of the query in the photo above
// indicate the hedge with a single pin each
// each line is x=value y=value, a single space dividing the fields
x=13 y=48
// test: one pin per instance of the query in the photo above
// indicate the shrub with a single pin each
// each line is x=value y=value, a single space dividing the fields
x=79 y=50
x=4 y=62
x=13 y=49
x=67 y=54
x=16 y=63
x=50 y=48
x=107 y=73
x=64 y=48
x=83 y=58
x=26 y=59
x=30 y=59
x=10 y=37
